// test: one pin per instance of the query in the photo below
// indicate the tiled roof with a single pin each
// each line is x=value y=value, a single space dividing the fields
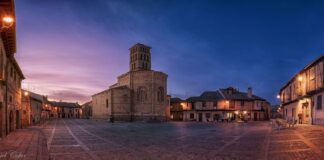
x=193 y=99
x=34 y=96
x=66 y=104
x=237 y=95
x=223 y=94
x=176 y=100
x=211 y=95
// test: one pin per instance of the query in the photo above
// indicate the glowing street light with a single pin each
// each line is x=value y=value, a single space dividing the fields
x=278 y=96
x=26 y=93
x=7 y=21
x=300 y=78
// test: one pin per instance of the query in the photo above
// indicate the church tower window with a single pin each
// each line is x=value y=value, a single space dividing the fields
x=140 y=55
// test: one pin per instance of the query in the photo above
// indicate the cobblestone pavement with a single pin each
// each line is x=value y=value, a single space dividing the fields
x=89 y=139
x=25 y=144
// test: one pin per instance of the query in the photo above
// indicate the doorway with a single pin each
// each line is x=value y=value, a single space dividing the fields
x=200 y=117
x=11 y=122
x=255 y=116
x=17 y=120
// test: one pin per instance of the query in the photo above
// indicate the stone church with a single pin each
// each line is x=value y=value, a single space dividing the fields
x=139 y=94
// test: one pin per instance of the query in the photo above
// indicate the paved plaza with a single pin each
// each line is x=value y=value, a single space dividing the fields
x=89 y=139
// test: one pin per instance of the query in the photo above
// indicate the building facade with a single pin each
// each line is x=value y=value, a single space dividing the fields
x=176 y=109
x=302 y=96
x=67 y=109
x=221 y=105
x=35 y=108
x=10 y=72
x=139 y=94
x=87 y=110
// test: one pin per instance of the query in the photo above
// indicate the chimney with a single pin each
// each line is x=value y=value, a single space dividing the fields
x=249 y=93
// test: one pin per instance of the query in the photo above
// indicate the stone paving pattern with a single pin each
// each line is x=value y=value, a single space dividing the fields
x=27 y=144
x=89 y=139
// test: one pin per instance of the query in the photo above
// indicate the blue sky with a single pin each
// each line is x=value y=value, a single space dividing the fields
x=71 y=49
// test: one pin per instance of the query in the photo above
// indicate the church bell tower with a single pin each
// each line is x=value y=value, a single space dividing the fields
x=140 y=57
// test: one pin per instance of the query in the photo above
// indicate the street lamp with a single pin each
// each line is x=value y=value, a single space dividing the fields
x=26 y=93
x=7 y=22
x=300 y=78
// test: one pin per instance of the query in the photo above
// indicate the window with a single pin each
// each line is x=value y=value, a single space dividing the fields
x=160 y=94
x=207 y=115
x=319 y=102
x=107 y=103
x=10 y=99
x=312 y=73
x=193 y=105
x=312 y=85
x=232 y=104
x=286 y=112
x=215 y=104
x=141 y=94
x=204 y=104
x=242 y=103
x=192 y=116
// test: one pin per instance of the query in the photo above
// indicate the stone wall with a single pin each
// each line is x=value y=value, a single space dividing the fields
x=151 y=81
x=100 y=108
x=120 y=102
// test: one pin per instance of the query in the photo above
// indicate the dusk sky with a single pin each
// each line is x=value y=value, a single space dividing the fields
x=71 y=49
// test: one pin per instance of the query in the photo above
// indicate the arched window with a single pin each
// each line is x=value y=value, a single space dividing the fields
x=160 y=94
x=141 y=94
